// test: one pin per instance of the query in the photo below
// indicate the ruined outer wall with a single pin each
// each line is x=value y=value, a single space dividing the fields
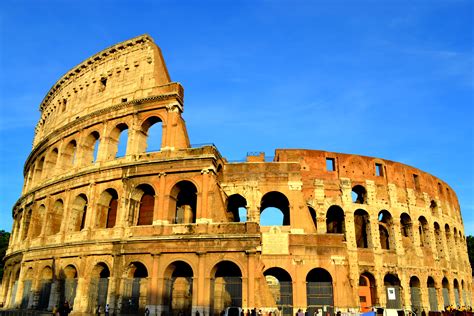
x=74 y=173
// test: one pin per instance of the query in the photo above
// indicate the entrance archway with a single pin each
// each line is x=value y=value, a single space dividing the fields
x=319 y=291
x=135 y=286
x=366 y=291
x=68 y=285
x=432 y=297
x=415 y=295
x=179 y=288
x=392 y=290
x=98 y=286
x=281 y=286
x=45 y=288
x=226 y=287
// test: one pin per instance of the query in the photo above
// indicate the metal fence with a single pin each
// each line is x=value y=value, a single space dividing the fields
x=227 y=291
x=319 y=297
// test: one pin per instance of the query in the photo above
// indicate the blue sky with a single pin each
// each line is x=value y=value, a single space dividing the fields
x=390 y=79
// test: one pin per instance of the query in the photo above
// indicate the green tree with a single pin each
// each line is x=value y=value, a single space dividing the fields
x=4 y=238
x=470 y=251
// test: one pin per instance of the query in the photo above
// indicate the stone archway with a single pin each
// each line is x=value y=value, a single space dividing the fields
x=319 y=291
x=226 y=287
x=179 y=289
x=281 y=286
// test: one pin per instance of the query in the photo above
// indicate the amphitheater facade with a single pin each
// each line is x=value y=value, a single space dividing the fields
x=111 y=213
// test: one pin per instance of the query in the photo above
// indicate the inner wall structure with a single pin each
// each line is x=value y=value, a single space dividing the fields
x=118 y=208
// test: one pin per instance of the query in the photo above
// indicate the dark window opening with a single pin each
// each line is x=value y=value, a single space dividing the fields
x=417 y=181
x=146 y=206
x=184 y=194
x=335 y=220
x=103 y=81
x=362 y=228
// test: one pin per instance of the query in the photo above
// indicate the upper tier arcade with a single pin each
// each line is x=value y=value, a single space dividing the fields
x=127 y=71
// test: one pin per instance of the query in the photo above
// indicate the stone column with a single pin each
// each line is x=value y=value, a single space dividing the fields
x=202 y=207
x=201 y=283
x=152 y=293
x=160 y=215
x=249 y=287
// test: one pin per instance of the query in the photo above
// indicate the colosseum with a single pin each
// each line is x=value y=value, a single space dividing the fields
x=111 y=213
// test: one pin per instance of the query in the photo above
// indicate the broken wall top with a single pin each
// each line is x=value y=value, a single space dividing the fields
x=126 y=71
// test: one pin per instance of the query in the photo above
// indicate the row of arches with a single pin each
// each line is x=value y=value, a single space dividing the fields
x=335 y=223
x=131 y=292
x=359 y=196
x=81 y=151
x=105 y=211
x=183 y=209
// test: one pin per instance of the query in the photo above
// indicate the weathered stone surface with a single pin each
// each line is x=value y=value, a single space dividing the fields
x=176 y=229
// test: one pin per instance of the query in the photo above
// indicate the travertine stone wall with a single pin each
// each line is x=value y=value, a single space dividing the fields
x=112 y=213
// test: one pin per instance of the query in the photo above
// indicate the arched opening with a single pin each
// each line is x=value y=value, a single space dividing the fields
x=226 y=287
x=359 y=194
x=392 y=289
x=445 y=291
x=27 y=299
x=464 y=294
x=45 y=287
x=54 y=223
x=367 y=292
x=107 y=209
x=14 y=288
x=67 y=285
x=144 y=201
x=439 y=240
x=26 y=223
x=135 y=288
x=281 y=286
x=406 y=226
x=386 y=230
x=69 y=155
x=150 y=139
x=51 y=161
x=274 y=203
x=424 y=232
x=314 y=217
x=335 y=220
x=78 y=213
x=183 y=202
x=362 y=229
x=432 y=296
x=415 y=295
x=99 y=286
x=178 y=294
x=39 y=170
x=37 y=221
x=447 y=233
x=91 y=147
x=457 y=300
x=237 y=208
x=118 y=141
x=319 y=292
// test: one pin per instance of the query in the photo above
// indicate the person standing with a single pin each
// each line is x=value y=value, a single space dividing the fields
x=107 y=309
